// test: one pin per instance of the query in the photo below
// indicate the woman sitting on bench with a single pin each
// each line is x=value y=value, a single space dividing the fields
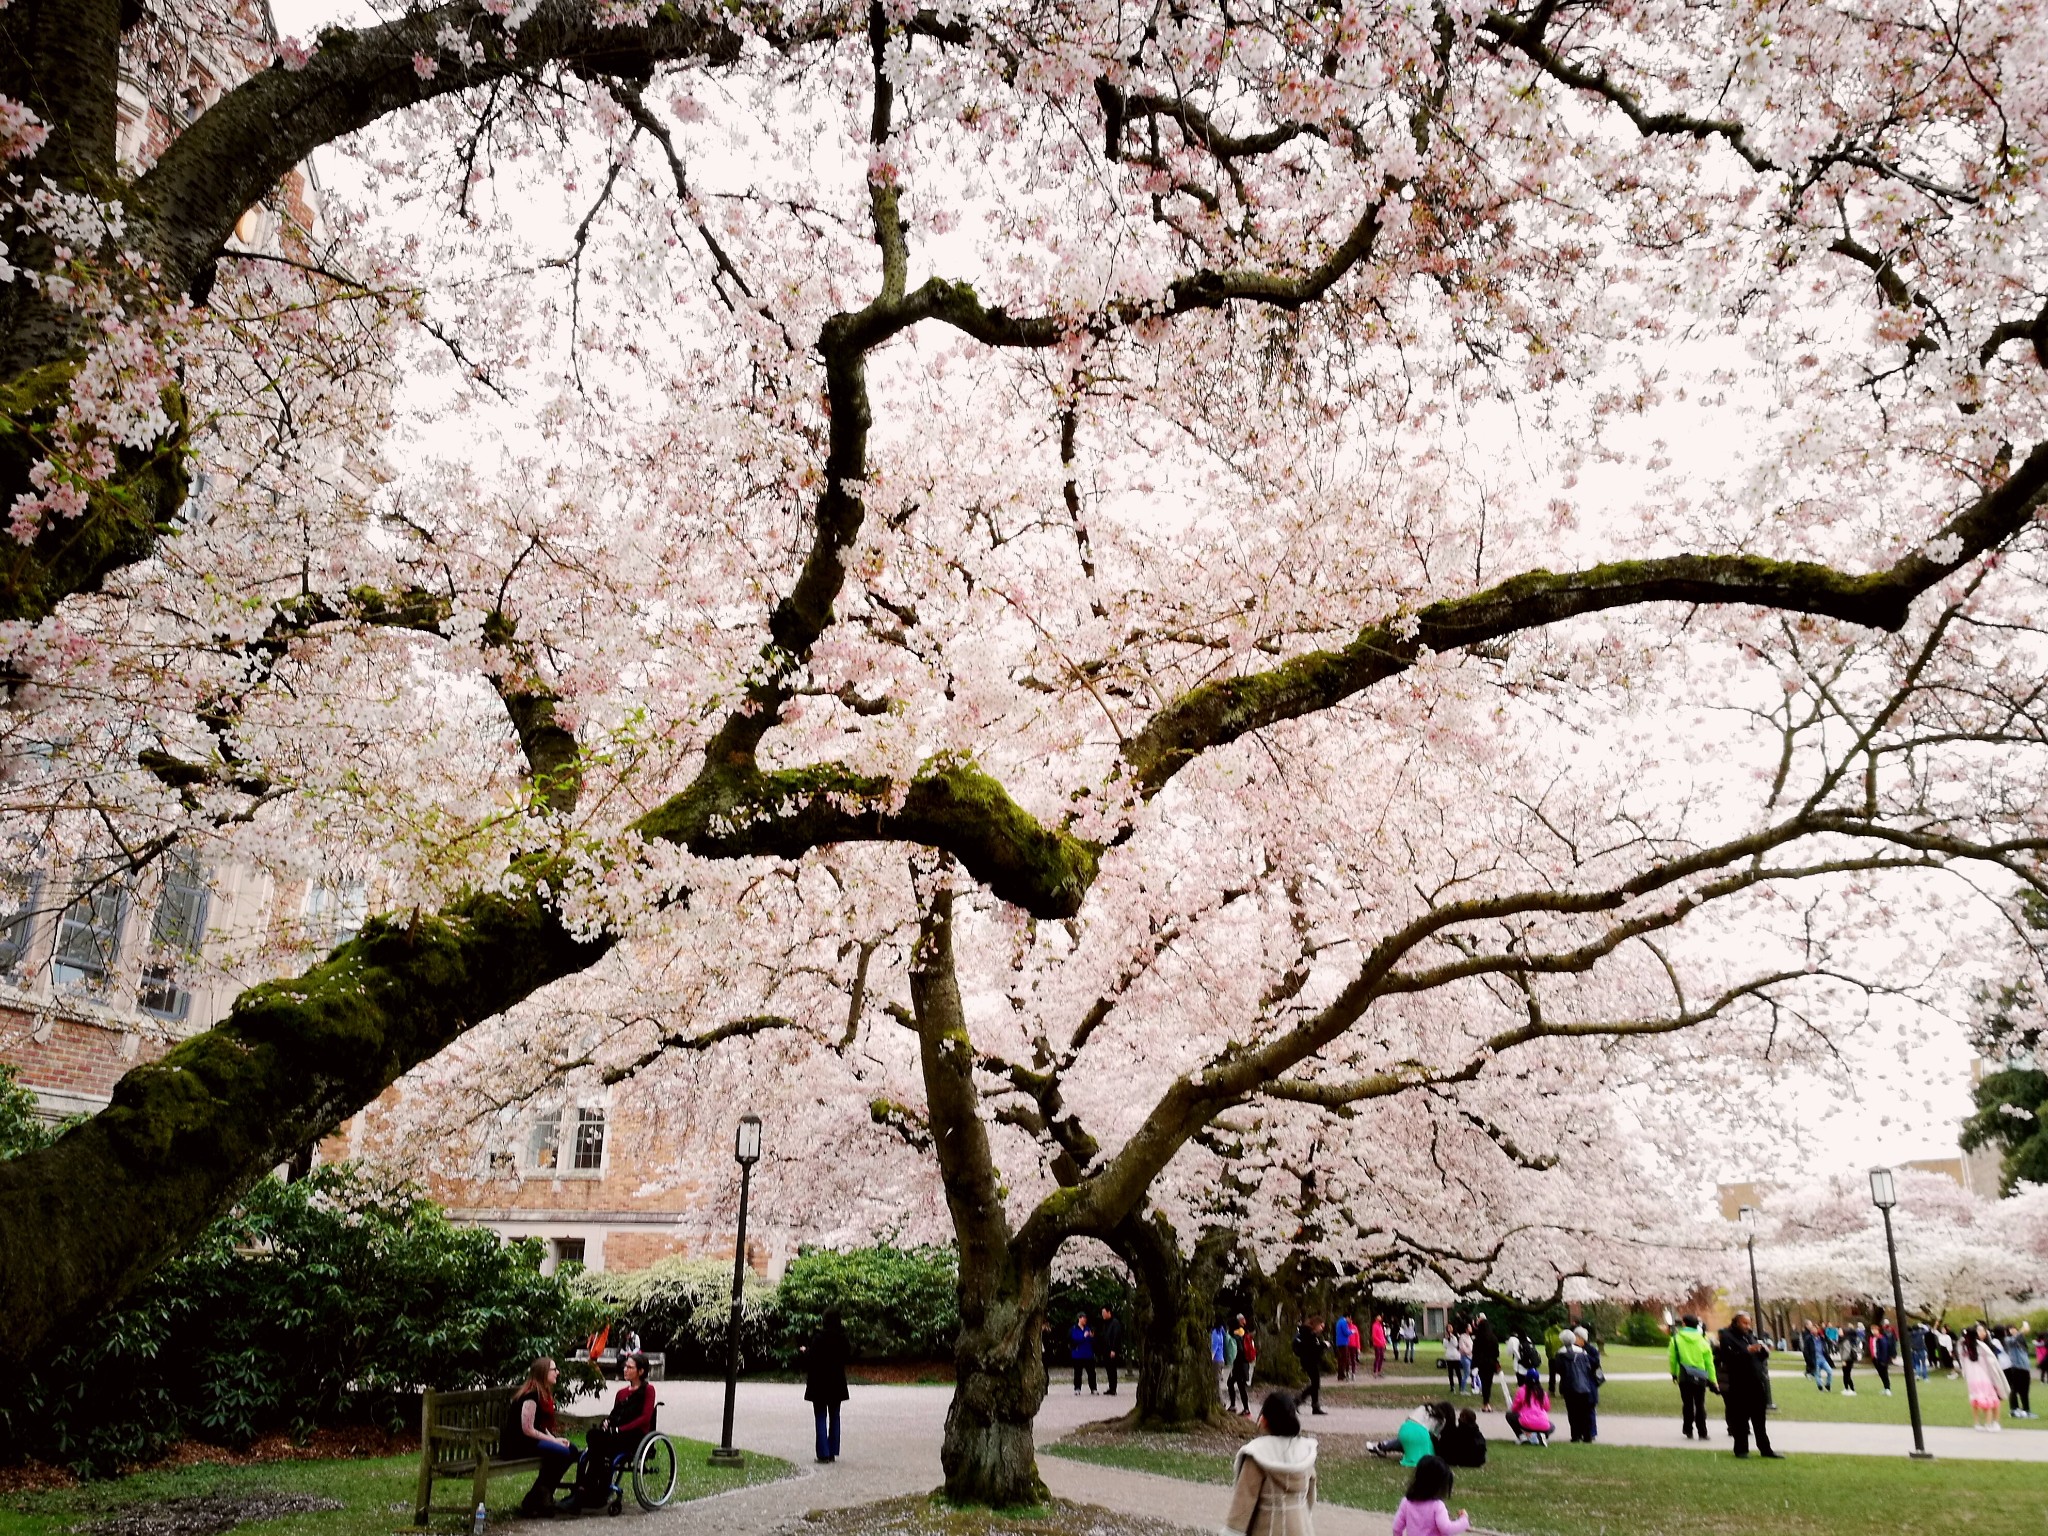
x=630 y=1421
x=533 y=1422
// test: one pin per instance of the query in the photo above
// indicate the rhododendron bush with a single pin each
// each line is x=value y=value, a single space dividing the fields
x=1190 y=572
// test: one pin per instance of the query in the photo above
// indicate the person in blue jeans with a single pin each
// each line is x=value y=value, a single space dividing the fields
x=1823 y=1363
x=825 y=1357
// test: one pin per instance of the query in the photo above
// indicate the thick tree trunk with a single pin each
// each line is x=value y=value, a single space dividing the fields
x=1000 y=1360
x=1175 y=1305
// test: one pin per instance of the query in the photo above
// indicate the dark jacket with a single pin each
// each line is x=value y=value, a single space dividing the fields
x=1308 y=1349
x=1577 y=1370
x=825 y=1357
x=1109 y=1338
x=1463 y=1445
x=1744 y=1374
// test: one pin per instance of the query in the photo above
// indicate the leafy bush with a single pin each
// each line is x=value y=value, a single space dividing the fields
x=327 y=1299
x=898 y=1303
x=1642 y=1328
x=683 y=1307
x=21 y=1129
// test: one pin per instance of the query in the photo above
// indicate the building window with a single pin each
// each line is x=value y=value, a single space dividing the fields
x=544 y=1145
x=335 y=909
x=566 y=1250
x=174 y=935
x=19 y=889
x=545 y=1152
x=89 y=938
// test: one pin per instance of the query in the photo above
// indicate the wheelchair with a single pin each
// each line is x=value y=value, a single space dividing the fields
x=649 y=1469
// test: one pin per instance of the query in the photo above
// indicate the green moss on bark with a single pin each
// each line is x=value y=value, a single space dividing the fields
x=82 y=1221
x=122 y=519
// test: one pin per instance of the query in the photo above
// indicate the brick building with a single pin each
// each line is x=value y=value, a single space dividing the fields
x=102 y=967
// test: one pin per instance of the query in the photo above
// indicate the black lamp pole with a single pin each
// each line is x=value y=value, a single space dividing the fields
x=1756 y=1303
x=746 y=1152
x=1884 y=1196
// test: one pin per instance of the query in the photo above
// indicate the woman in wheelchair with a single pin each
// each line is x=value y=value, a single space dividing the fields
x=631 y=1419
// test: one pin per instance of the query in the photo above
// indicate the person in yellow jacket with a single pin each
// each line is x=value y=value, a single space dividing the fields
x=1692 y=1367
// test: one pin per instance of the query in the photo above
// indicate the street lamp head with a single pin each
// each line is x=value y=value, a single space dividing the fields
x=1883 y=1192
x=746 y=1147
x=1746 y=1215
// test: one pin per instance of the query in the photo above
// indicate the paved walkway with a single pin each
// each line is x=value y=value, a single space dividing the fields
x=891 y=1437
x=889 y=1444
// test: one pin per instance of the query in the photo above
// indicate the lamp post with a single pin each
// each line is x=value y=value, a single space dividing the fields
x=746 y=1151
x=1884 y=1195
x=1747 y=1216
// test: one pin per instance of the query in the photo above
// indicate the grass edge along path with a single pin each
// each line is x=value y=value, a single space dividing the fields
x=376 y=1494
x=1942 y=1401
x=1599 y=1490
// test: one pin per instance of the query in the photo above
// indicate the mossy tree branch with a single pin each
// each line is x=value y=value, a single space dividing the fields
x=85 y=1219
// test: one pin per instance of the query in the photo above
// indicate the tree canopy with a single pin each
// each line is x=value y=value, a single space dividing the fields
x=1338 y=547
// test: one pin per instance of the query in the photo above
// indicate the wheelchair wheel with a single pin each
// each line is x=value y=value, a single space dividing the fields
x=654 y=1472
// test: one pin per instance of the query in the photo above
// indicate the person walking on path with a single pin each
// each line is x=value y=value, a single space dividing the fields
x=825 y=1357
x=1692 y=1367
x=1423 y=1510
x=1485 y=1359
x=1577 y=1373
x=1411 y=1331
x=1109 y=1346
x=1916 y=1350
x=1983 y=1377
x=2018 y=1376
x=1744 y=1370
x=1823 y=1367
x=1852 y=1342
x=1243 y=1351
x=1344 y=1340
x=1274 y=1478
x=531 y=1431
x=1220 y=1351
x=1308 y=1349
x=1081 y=1350
x=1379 y=1348
x=1884 y=1348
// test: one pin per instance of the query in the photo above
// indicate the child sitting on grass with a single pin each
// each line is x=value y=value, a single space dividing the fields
x=1423 y=1512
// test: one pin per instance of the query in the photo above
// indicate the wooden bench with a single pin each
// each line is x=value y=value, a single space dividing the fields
x=459 y=1439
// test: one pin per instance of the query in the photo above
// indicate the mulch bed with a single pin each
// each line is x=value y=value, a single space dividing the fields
x=203 y=1514
x=355 y=1440
x=922 y=1515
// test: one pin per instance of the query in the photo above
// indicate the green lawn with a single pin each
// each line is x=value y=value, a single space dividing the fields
x=1599 y=1490
x=1942 y=1400
x=376 y=1494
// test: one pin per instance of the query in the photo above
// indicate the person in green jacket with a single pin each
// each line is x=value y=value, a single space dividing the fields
x=1417 y=1437
x=1692 y=1367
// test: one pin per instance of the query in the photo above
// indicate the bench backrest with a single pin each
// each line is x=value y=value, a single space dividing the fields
x=484 y=1408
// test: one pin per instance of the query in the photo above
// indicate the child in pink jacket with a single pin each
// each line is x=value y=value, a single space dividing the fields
x=1423 y=1512
x=1529 y=1413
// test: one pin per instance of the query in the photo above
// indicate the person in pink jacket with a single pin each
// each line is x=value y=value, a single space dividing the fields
x=1424 y=1511
x=1379 y=1346
x=1529 y=1413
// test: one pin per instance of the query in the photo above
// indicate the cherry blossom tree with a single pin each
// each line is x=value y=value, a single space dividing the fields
x=1823 y=1242
x=1343 y=547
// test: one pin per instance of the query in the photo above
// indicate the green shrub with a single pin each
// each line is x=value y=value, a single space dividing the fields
x=328 y=1299
x=1644 y=1329
x=683 y=1308
x=21 y=1128
x=898 y=1303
